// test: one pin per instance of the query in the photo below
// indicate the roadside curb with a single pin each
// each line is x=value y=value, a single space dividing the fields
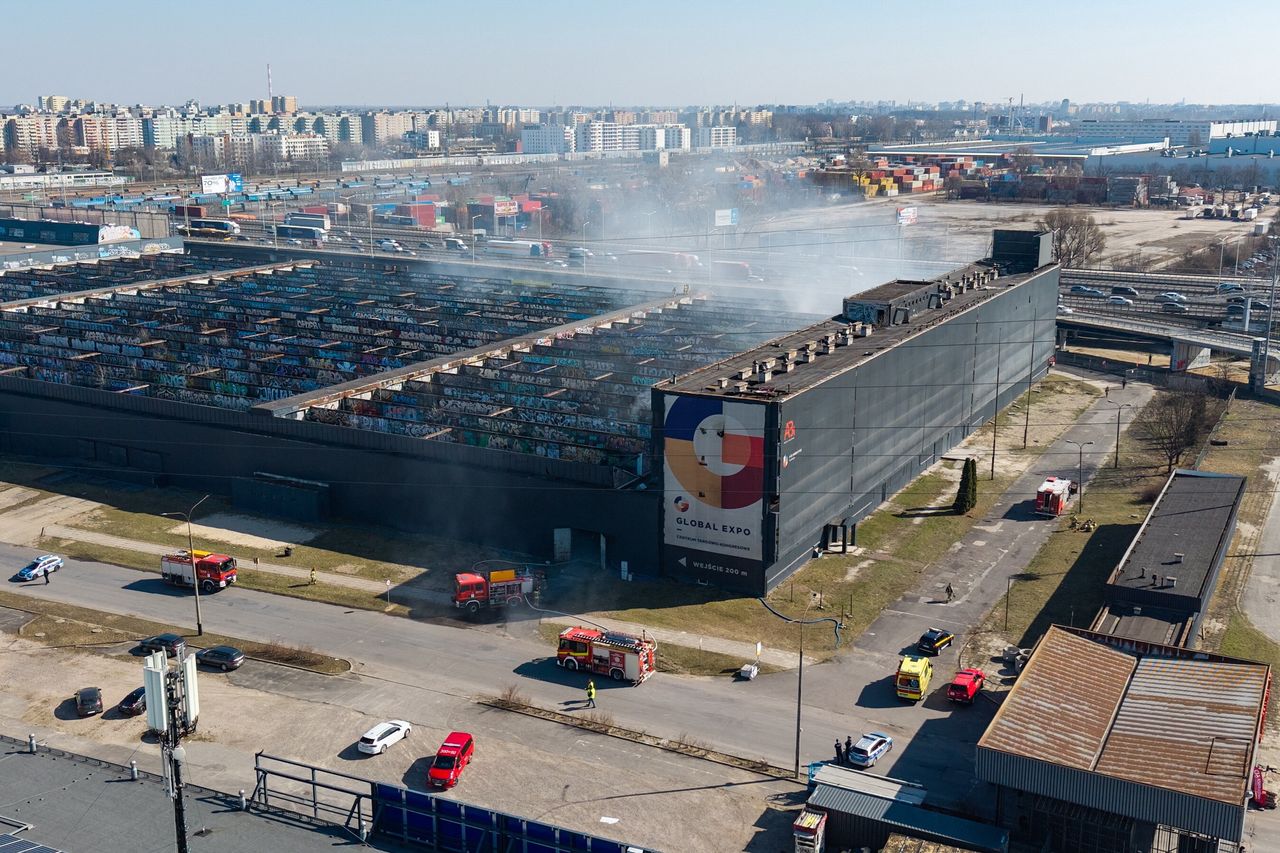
x=758 y=766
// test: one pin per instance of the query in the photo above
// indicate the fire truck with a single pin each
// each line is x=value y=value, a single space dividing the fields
x=214 y=571
x=1053 y=496
x=622 y=657
x=497 y=588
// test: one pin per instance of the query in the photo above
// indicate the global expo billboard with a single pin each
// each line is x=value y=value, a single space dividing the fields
x=713 y=475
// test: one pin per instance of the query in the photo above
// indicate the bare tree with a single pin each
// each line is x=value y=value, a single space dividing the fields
x=1022 y=160
x=1175 y=422
x=1076 y=236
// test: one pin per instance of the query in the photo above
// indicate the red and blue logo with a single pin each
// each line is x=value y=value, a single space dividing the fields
x=717 y=460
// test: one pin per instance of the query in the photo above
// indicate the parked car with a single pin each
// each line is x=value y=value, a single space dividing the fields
x=966 y=685
x=171 y=644
x=452 y=758
x=134 y=703
x=1171 y=296
x=1120 y=300
x=1122 y=290
x=1173 y=308
x=935 y=640
x=383 y=735
x=40 y=566
x=225 y=658
x=88 y=701
x=869 y=749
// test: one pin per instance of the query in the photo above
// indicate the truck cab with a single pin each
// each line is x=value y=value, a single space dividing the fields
x=914 y=675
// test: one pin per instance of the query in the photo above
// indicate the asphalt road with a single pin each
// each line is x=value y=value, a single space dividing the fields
x=445 y=664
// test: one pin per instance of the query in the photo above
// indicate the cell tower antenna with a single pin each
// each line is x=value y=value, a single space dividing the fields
x=269 y=92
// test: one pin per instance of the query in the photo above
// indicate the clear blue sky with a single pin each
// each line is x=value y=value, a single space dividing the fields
x=639 y=51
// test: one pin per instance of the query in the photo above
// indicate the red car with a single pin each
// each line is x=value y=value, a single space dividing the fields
x=966 y=685
x=454 y=755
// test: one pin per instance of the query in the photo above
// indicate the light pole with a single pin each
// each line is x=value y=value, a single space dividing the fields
x=473 y=236
x=584 y=245
x=191 y=555
x=1120 y=407
x=1271 y=306
x=649 y=216
x=1080 y=475
x=800 y=682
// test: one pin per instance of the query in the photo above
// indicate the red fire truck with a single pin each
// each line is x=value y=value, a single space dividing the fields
x=1053 y=496
x=214 y=571
x=497 y=588
x=622 y=657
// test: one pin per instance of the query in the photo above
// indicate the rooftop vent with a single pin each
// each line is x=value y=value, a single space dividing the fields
x=1177 y=556
x=1170 y=581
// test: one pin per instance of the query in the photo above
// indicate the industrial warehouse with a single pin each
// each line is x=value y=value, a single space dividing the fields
x=1150 y=747
x=668 y=431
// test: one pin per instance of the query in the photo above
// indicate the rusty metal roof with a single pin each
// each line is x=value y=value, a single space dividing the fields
x=1156 y=715
x=1061 y=707
x=1187 y=725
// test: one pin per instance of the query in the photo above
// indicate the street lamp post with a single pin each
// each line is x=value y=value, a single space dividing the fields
x=1080 y=475
x=191 y=555
x=1120 y=407
x=473 y=236
x=1271 y=306
x=649 y=216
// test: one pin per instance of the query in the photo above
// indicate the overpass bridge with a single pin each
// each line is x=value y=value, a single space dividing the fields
x=1193 y=332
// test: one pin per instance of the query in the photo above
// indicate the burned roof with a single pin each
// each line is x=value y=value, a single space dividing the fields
x=1184 y=537
x=1147 y=713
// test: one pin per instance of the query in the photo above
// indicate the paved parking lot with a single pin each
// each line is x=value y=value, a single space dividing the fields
x=542 y=770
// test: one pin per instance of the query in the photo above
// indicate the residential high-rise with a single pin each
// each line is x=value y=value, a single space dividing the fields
x=547 y=139
x=286 y=104
x=717 y=137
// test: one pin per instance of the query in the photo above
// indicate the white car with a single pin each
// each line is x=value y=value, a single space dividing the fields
x=380 y=737
x=1120 y=300
x=1063 y=309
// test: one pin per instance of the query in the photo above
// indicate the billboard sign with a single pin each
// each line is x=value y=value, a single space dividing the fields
x=907 y=216
x=725 y=217
x=505 y=207
x=211 y=184
x=713 y=470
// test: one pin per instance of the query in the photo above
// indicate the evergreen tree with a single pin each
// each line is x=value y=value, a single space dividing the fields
x=967 y=494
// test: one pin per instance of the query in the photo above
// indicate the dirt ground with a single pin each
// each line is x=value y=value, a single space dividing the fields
x=532 y=767
x=249 y=531
x=1161 y=236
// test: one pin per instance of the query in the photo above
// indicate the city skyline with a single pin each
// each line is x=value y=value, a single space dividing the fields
x=578 y=54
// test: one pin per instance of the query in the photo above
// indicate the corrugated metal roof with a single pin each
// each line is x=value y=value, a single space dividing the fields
x=1179 y=723
x=869 y=784
x=1061 y=706
x=1187 y=725
x=910 y=818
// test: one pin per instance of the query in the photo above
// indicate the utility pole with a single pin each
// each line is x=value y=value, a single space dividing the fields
x=995 y=404
x=1031 y=369
x=800 y=694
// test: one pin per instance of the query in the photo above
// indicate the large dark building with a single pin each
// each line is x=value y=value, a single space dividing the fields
x=517 y=412
x=783 y=448
x=1160 y=590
